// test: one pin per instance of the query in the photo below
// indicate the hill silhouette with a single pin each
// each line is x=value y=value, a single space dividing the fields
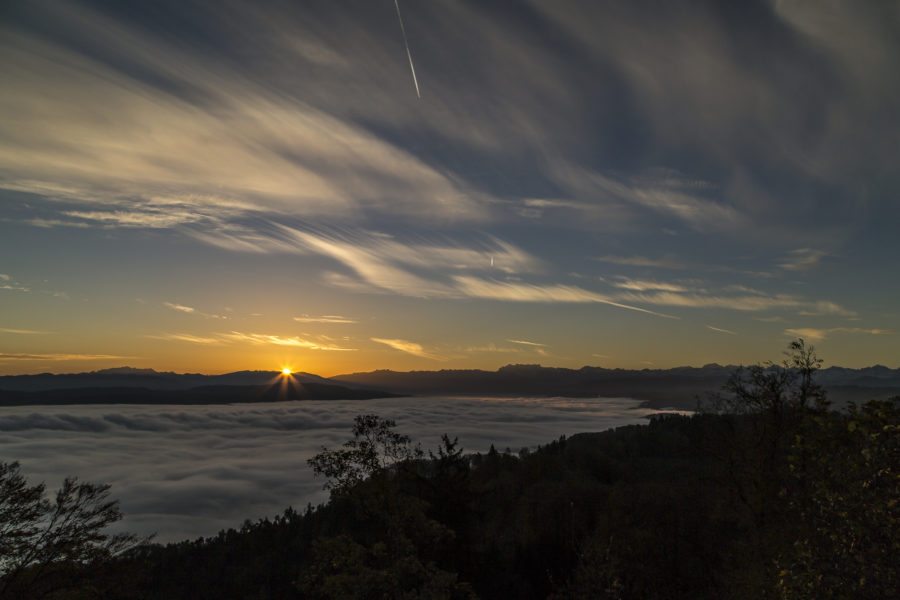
x=125 y=385
x=678 y=387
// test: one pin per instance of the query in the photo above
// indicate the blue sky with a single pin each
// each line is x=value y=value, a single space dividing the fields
x=199 y=186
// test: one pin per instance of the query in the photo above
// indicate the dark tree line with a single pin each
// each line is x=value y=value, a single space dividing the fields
x=763 y=493
x=50 y=548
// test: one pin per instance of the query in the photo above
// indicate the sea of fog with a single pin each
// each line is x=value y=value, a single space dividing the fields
x=188 y=471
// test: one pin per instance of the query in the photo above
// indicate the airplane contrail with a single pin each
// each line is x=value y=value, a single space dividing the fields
x=405 y=43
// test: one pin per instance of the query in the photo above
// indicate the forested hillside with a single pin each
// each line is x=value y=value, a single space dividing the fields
x=764 y=493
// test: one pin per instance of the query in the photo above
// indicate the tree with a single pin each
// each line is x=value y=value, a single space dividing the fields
x=849 y=540
x=374 y=448
x=46 y=544
x=390 y=544
x=760 y=412
x=773 y=390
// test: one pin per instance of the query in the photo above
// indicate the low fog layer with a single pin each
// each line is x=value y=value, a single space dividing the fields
x=188 y=471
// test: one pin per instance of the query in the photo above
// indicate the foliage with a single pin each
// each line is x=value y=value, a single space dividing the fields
x=772 y=389
x=397 y=561
x=375 y=446
x=46 y=545
x=849 y=467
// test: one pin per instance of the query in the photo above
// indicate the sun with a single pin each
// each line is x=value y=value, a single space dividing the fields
x=286 y=371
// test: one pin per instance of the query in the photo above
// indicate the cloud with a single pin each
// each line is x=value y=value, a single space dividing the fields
x=147 y=219
x=260 y=339
x=861 y=45
x=8 y=283
x=817 y=334
x=729 y=101
x=643 y=261
x=801 y=259
x=367 y=252
x=720 y=330
x=259 y=151
x=23 y=331
x=187 y=471
x=50 y=223
x=643 y=285
x=59 y=357
x=743 y=289
x=524 y=292
x=408 y=347
x=257 y=339
x=526 y=343
x=191 y=310
x=179 y=307
x=379 y=262
x=334 y=319
x=750 y=303
x=493 y=348
x=186 y=337
x=665 y=193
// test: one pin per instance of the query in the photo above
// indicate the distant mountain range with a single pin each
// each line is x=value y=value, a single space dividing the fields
x=126 y=385
x=657 y=388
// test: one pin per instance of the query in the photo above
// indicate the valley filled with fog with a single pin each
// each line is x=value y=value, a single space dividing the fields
x=189 y=471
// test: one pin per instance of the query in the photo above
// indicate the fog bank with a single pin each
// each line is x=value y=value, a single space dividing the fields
x=188 y=471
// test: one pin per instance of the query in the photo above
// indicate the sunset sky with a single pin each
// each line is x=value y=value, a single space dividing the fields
x=217 y=186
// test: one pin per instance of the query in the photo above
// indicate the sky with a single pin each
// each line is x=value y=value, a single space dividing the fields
x=217 y=186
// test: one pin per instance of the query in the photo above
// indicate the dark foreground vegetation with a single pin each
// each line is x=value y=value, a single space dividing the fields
x=764 y=493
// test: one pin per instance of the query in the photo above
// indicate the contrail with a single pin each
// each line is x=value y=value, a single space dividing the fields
x=405 y=43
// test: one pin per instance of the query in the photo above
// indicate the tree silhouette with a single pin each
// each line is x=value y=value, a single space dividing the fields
x=46 y=544
x=388 y=548
x=375 y=447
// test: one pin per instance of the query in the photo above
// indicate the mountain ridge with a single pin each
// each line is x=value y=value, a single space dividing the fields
x=678 y=387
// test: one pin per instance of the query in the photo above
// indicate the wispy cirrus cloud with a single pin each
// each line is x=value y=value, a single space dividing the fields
x=666 y=193
x=643 y=285
x=244 y=141
x=332 y=319
x=818 y=334
x=262 y=339
x=58 y=357
x=380 y=262
x=191 y=310
x=749 y=303
x=801 y=259
x=383 y=263
x=23 y=331
x=186 y=337
x=525 y=292
x=8 y=283
x=720 y=330
x=256 y=339
x=408 y=347
x=532 y=346
x=492 y=347
x=180 y=307
x=643 y=261
x=527 y=343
